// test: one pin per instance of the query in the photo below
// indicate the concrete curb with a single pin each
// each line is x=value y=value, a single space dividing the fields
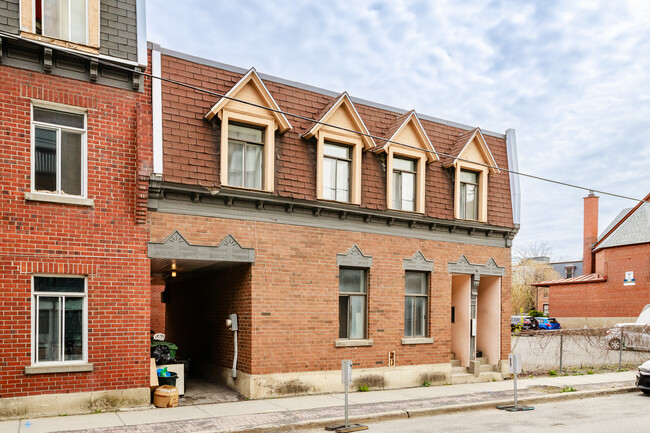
x=453 y=408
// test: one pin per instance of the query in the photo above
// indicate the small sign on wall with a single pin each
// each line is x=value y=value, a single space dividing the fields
x=629 y=279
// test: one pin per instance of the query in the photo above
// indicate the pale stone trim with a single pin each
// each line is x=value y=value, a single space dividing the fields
x=61 y=199
x=343 y=342
x=416 y=340
x=62 y=368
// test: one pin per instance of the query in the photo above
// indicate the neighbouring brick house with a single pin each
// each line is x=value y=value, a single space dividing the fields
x=75 y=126
x=340 y=234
x=615 y=285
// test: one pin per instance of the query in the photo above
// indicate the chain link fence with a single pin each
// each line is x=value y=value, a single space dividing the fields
x=587 y=350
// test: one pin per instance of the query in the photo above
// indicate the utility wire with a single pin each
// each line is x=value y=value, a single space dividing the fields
x=298 y=116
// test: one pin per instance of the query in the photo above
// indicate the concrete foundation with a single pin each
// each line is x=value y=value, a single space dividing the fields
x=72 y=403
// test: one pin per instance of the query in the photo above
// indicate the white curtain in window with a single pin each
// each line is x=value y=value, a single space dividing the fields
x=356 y=317
x=235 y=163
x=342 y=180
x=329 y=179
x=253 y=174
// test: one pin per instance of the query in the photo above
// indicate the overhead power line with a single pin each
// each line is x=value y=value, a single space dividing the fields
x=298 y=116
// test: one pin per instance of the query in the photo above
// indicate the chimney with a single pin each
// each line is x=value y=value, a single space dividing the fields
x=590 y=236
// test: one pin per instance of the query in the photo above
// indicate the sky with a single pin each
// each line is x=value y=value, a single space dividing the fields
x=572 y=79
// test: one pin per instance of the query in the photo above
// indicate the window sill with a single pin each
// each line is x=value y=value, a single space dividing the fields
x=62 y=43
x=417 y=340
x=62 y=368
x=342 y=342
x=61 y=199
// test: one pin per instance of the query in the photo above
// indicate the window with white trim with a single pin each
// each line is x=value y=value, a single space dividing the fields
x=245 y=156
x=336 y=172
x=59 y=152
x=545 y=309
x=404 y=177
x=60 y=319
x=469 y=194
x=416 y=304
x=352 y=303
x=62 y=19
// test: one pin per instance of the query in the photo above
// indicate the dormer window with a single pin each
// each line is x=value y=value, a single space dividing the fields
x=61 y=19
x=336 y=172
x=404 y=176
x=245 y=155
x=469 y=194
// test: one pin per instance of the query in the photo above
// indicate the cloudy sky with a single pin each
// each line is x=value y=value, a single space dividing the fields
x=572 y=78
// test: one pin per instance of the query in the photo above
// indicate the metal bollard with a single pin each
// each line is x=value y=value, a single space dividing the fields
x=561 y=347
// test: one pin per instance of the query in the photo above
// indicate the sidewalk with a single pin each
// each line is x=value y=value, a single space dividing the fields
x=282 y=414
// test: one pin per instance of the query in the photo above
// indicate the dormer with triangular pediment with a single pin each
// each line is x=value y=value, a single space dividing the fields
x=249 y=118
x=408 y=150
x=472 y=161
x=341 y=136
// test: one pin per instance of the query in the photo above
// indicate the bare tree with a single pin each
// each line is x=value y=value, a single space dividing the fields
x=531 y=250
x=524 y=274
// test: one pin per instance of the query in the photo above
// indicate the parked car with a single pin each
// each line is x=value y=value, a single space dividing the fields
x=548 y=323
x=634 y=336
x=643 y=377
x=525 y=322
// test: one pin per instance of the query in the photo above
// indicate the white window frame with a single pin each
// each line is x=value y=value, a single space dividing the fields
x=86 y=16
x=415 y=296
x=59 y=128
x=420 y=180
x=34 y=317
x=463 y=198
x=348 y=160
x=268 y=153
x=482 y=195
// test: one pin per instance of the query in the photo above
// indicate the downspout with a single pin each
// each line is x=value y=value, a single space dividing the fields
x=234 y=360
x=513 y=165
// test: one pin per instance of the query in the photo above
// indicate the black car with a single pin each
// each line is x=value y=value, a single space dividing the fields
x=524 y=322
x=643 y=377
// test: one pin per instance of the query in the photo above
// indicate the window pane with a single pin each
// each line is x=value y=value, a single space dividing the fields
x=253 y=176
x=45 y=164
x=416 y=283
x=403 y=164
x=73 y=329
x=55 y=23
x=468 y=176
x=352 y=280
x=408 y=316
x=336 y=151
x=397 y=190
x=235 y=163
x=342 y=180
x=329 y=179
x=244 y=133
x=59 y=284
x=78 y=21
x=71 y=163
x=343 y=316
x=463 y=200
x=420 y=317
x=59 y=118
x=470 y=197
x=357 y=316
x=48 y=340
x=408 y=191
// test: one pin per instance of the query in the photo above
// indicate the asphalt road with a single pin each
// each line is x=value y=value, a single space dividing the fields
x=542 y=352
x=626 y=413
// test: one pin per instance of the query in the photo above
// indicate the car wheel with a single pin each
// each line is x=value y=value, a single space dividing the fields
x=614 y=344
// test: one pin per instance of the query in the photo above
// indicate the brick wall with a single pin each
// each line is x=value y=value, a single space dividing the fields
x=191 y=144
x=102 y=242
x=610 y=298
x=293 y=318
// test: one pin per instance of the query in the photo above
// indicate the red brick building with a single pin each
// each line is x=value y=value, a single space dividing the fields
x=616 y=282
x=334 y=228
x=75 y=274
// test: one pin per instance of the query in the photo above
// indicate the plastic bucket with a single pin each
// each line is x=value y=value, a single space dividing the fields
x=168 y=380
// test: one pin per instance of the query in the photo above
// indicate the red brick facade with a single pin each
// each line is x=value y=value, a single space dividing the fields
x=287 y=299
x=610 y=298
x=102 y=242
